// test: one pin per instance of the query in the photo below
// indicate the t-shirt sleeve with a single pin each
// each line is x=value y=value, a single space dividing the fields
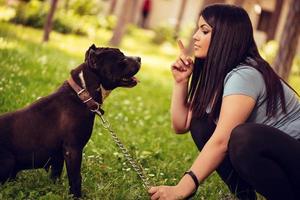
x=244 y=80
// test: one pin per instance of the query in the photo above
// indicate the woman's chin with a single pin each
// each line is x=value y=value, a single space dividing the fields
x=198 y=55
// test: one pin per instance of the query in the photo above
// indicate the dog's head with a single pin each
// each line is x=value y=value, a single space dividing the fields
x=113 y=67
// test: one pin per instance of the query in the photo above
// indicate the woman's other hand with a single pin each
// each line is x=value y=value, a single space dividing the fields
x=183 y=67
x=165 y=193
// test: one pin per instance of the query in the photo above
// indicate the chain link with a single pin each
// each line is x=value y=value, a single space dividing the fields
x=135 y=165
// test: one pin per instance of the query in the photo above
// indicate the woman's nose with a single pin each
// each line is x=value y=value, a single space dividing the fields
x=196 y=35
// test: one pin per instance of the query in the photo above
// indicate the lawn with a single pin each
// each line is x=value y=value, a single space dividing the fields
x=140 y=116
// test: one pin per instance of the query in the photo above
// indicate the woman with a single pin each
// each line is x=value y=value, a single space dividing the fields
x=242 y=116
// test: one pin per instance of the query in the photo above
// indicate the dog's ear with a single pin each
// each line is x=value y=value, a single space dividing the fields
x=90 y=56
x=91 y=48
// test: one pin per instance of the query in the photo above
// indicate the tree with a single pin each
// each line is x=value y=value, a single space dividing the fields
x=179 y=18
x=274 y=20
x=135 y=11
x=49 y=21
x=239 y=2
x=289 y=41
x=123 y=20
x=112 y=7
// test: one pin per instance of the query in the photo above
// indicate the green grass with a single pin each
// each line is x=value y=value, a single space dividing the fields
x=140 y=116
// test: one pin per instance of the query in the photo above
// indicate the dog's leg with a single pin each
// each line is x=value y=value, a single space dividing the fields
x=73 y=157
x=56 y=166
x=7 y=165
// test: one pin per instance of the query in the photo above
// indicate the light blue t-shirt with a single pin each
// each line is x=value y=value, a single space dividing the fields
x=248 y=81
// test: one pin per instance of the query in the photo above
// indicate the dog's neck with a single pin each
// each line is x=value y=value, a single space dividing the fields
x=85 y=78
x=104 y=92
x=82 y=80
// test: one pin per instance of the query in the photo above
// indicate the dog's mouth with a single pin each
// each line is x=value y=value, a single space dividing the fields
x=129 y=82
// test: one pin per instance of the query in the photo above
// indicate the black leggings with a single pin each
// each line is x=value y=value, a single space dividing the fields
x=260 y=158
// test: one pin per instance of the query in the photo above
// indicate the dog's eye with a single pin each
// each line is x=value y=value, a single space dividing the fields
x=123 y=62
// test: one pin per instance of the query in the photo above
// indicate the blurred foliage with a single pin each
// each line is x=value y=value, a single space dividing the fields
x=163 y=33
x=80 y=17
x=85 y=17
x=269 y=52
x=69 y=22
x=6 y=13
x=85 y=7
x=108 y=22
x=30 y=14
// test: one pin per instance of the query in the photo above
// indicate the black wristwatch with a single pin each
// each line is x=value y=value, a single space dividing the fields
x=194 y=177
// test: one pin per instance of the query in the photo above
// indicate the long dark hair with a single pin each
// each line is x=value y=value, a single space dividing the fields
x=231 y=43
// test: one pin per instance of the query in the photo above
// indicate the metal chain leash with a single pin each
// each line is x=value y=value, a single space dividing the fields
x=135 y=165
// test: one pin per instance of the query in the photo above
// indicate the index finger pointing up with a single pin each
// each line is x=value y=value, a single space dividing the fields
x=181 y=46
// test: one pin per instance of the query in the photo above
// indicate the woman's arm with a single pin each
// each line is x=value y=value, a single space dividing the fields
x=180 y=112
x=181 y=71
x=235 y=110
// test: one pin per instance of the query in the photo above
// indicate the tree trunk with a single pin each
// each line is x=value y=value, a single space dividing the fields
x=289 y=41
x=48 y=22
x=190 y=47
x=112 y=7
x=135 y=10
x=67 y=5
x=179 y=18
x=239 y=2
x=122 y=23
x=274 y=20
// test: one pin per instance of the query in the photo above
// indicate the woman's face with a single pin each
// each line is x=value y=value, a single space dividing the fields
x=202 y=38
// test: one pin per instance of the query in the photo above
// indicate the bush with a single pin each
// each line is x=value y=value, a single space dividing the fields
x=163 y=34
x=35 y=13
x=6 y=13
x=86 y=7
x=296 y=65
x=30 y=14
x=269 y=50
x=68 y=23
x=107 y=22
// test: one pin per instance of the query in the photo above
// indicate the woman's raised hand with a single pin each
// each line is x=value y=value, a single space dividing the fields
x=182 y=68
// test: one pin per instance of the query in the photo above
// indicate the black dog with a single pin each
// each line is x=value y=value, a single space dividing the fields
x=56 y=128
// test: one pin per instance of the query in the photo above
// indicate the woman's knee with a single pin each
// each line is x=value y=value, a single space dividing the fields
x=242 y=141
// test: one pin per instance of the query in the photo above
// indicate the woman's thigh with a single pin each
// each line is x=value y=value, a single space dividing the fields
x=251 y=144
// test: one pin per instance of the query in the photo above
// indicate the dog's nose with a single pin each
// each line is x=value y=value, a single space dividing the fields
x=138 y=59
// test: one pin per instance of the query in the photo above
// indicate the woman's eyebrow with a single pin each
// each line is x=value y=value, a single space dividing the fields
x=204 y=26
